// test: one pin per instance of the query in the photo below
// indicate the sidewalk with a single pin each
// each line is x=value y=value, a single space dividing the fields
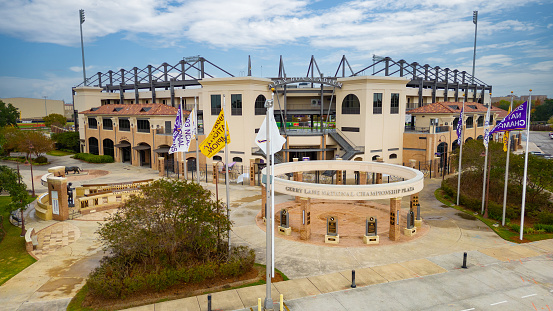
x=315 y=271
x=310 y=291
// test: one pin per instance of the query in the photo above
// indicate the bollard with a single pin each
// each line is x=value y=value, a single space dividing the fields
x=258 y=304
x=209 y=302
x=464 y=261
x=281 y=302
x=418 y=211
x=353 y=279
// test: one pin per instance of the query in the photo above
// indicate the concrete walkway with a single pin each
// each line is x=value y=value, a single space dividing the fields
x=315 y=271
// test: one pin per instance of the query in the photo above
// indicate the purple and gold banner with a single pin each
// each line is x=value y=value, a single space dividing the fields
x=516 y=120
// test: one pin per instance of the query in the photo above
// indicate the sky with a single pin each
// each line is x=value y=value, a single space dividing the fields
x=40 y=52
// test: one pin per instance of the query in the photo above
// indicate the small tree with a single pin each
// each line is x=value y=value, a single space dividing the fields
x=55 y=119
x=8 y=114
x=34 y=143
x=67 y=140
x=174 y=220
x=10 y=181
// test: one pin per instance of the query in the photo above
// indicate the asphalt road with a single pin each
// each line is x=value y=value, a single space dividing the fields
x=542 y=141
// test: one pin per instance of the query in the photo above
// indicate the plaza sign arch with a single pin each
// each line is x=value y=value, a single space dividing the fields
x=413 y=181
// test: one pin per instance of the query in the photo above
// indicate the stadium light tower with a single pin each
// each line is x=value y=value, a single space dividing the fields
x=475 y=21
x=81 y=16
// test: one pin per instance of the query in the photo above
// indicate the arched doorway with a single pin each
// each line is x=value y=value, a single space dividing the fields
x=93 y=145
x=144 y=154
x=124 y=151
x=109 y=147
x=441 y=151
x=163 y=151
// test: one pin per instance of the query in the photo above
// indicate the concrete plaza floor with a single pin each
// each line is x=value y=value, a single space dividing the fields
x=423 y=274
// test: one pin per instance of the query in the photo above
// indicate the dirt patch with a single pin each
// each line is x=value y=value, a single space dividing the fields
x=180 y=291
x=351 y=217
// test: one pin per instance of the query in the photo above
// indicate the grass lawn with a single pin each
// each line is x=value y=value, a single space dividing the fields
x=13 y=255
x=504 y=232
x=58 y=153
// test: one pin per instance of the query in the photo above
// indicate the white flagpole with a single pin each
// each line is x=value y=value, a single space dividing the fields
x=197 y=144
x=226 y=168
x=268 y=305
x=460 y=151
x=508 y=133
x=272 y=195
x=529 y=109
x=485 y=161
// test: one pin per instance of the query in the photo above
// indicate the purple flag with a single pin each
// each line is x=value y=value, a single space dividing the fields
x=178 y=139
x=460 y=126
x=516 y=120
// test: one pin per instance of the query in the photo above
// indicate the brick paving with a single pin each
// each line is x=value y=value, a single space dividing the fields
x=55 y=236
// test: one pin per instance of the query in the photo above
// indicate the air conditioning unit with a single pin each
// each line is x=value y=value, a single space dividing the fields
x=315 y=102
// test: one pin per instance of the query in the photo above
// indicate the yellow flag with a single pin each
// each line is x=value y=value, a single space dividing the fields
x=506 y=137
x=215 y=141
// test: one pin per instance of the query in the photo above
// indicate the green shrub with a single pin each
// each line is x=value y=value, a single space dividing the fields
x=515 y=227
x=545 y=217
x=93 y=158
x=544 y=228
x=41 y=160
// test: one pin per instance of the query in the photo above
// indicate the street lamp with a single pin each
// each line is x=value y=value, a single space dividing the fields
x=31 y=147
x=45 y=109
x=81 y=16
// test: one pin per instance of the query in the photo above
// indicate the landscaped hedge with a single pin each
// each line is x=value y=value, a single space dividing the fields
x=93 y=158
x=112 y=279
x=495 y=211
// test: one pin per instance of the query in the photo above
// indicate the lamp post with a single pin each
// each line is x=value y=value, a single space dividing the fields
x=45 y=109
x=475 y=22
x=31 y=147
x=81 y=16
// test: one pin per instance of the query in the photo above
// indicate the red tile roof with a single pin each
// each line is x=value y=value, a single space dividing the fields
x=134 y=110
x=455 y=108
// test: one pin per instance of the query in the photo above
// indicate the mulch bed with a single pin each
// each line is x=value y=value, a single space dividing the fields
x=180 y=291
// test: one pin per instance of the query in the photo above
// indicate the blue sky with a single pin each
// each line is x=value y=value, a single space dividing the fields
x=41 y=54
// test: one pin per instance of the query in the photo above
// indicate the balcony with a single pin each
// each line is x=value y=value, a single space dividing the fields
x=417 y=129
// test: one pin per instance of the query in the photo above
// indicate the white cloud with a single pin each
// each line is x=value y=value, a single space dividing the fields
x=543 y=66
x=80 y=69
x=392 y=27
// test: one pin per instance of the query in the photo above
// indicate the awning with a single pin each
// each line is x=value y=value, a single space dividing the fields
x=162 y=150
x=123 y=144
x=141 y=147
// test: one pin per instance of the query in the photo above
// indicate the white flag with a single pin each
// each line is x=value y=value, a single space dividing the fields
x=487 y=127
x=276 y=140
x=183 y=134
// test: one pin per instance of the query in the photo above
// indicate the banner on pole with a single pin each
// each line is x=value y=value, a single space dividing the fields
x=506 y=136
x=487 y=127
x=516 y=120
x=183 y=135
x=460 y=126
x=215 y=141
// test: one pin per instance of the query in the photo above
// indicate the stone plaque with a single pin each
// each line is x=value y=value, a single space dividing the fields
x=331 y=226
x=371 y=226
x=284 y=219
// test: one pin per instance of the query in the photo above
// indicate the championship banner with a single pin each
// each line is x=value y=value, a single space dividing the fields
x=460 y=126
x=182 y=135
x=516 y=120
x=506 y=137
x=216 y=139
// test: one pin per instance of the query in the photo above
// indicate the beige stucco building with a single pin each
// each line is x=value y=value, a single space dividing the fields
x=355 y=118
x=36 y=108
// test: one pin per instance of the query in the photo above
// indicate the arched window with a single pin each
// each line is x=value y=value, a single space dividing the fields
x=455 y=123
x=469 y=123
x=93 y=145
x=108 y=147
x=217 y=158
x=375 y=157
x=481 y=121
x=350 y=105
x=260 y=105
x=480 y=137
x=393 y=156
x=237 y=159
